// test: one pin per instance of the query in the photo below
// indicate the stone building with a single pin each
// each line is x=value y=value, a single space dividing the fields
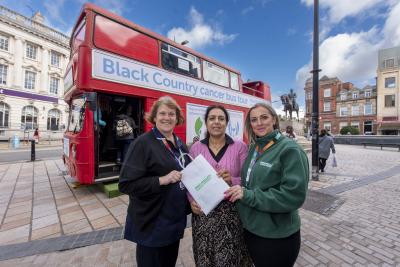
x=33 y=58
x=342 y=104
x=388 y=75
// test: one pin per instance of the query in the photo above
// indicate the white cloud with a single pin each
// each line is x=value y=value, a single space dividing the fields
x=199 y=33
x=54 y=10
x=340 y=9
x=247 y=10
x=353 y=56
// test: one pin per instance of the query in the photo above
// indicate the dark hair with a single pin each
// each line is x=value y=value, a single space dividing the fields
x=323 y=132
x=215 y=107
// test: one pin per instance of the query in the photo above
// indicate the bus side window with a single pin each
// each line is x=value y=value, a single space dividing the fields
x=178 y=61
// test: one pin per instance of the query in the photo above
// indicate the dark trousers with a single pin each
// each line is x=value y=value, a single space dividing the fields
x=322 y=163
x=123 y=146
x=269 y=252
x=157 y=257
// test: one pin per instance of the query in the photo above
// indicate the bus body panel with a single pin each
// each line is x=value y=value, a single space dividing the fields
x=107 y=32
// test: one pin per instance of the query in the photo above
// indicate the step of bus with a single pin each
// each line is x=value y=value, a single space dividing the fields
x=110 y=189
x=106 y=167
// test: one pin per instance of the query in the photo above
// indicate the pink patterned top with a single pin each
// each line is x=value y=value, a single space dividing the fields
x=232 y=160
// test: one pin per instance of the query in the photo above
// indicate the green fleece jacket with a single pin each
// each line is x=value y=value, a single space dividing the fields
x=276 y=188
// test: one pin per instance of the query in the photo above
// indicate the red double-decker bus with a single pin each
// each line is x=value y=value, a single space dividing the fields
x=115 y=63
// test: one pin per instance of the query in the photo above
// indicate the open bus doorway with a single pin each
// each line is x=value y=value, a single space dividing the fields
x=113 y=114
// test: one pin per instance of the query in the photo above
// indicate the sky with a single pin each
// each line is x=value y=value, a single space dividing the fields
x=267 y=40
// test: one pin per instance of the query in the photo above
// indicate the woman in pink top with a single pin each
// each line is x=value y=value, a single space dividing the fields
x=217 y=238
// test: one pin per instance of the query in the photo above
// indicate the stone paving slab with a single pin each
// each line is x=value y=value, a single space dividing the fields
x=363 y=231
x=38 y=202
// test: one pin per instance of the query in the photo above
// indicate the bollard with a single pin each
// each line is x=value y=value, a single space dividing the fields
x=32 y=150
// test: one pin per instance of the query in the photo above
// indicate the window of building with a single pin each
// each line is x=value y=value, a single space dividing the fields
x=55 y=59
x=390 y=82
x=176 y=60
x=342 y=124
x=4 y=42
x=368 y=127
x=390 y=101
x=355 y=95
x=4 y=115
x=309 y=95
x=367 y=94
x=327 y=92
x=215 y=74
x=29 y=117
x=355 y=124
x=3 y=74
x=308 y=109
x=343 y=97
x=368 y=108
x=234 y=81
x=31 y=51
x=389 y=63
x=355 y=110
x=53 y=120
x=327 y=125
x=343 y=111
x=30 y=79
x=54 y=82
x=327 y=106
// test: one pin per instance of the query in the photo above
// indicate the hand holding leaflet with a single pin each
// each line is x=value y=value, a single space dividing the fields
x=203 y=183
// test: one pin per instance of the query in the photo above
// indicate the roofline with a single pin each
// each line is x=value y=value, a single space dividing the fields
x=101 y=11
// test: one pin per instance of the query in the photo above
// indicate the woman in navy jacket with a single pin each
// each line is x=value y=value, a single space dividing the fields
x=150 y=175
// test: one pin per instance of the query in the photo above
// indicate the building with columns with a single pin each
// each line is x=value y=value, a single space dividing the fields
x=388 y=76
x=33 y=58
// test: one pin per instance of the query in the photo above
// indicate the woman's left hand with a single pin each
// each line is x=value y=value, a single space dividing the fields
x=234 y=193
x=224 y=174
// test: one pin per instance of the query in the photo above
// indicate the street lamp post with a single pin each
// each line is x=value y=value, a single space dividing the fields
x=315 y=108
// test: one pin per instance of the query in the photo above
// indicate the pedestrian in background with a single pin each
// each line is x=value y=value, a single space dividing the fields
x=326 y=144
x=274 y=177
x=290 y=133
x=125 y=130
x=151 y=176
x=218 y=237
x=36 y=136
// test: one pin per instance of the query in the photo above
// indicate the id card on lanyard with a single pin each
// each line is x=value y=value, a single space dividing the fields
x=179 y=160
x=256 y=154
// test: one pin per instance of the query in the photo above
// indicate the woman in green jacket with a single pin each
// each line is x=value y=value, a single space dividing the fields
x=274 y=181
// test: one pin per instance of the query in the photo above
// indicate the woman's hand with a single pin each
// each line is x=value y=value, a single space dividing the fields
x=170 y=178
x=224 y=174
x=196 y=208
x=234 y=193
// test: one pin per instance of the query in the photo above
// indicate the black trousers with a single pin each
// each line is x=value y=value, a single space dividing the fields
x=157 y=257
x=322 y=163
x=269 y=252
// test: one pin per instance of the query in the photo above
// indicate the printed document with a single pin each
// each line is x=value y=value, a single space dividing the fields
x=203 y=183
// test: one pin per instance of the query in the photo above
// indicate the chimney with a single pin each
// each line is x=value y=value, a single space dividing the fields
x=38 y=17
x=348 y=86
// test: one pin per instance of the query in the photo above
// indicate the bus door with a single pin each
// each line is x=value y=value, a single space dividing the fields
x=108 y=146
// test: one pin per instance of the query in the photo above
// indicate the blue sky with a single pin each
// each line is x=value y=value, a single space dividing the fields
x=268 y=40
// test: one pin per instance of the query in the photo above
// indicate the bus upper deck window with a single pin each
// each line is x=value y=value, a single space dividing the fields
x=179 y=61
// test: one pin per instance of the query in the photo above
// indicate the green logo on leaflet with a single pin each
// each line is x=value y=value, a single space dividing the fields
x=202 y=183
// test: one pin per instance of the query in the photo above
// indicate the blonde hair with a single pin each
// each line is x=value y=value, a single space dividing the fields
x=251 y=136
x=169 y=102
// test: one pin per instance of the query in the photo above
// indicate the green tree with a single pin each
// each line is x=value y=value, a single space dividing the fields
x=350 y=129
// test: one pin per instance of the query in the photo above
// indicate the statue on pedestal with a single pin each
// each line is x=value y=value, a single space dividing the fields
x=289 y=104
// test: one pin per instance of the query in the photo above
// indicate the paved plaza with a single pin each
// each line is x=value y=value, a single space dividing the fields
x=351 y=217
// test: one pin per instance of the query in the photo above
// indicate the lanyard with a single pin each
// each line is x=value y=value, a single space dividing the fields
x=257 y=153
x=181 y=159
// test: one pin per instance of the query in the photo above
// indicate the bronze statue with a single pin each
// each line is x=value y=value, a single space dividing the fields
x=289 y=104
